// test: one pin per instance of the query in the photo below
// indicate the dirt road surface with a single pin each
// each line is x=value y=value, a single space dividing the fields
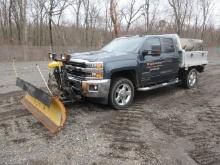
x=168 y=126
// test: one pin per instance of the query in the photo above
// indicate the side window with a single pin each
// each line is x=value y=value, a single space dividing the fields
x=168 y=45
x=152 y=43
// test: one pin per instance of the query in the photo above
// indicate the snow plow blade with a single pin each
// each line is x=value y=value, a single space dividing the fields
x=49 y=110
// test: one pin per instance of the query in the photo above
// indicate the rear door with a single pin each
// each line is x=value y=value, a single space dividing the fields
x=170 y=58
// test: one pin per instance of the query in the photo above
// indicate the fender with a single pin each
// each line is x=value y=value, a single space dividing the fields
x=117 y=66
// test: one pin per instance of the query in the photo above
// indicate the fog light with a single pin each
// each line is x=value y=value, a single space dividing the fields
x=93 y=87
x=99 y=75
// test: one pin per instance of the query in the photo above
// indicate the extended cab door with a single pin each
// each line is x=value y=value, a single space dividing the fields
x=151 y=62
x=170 y=58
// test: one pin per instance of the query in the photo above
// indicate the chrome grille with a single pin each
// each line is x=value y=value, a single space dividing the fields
x=75 y=70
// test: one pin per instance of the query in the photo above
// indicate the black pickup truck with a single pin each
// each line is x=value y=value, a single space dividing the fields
x=128 y=64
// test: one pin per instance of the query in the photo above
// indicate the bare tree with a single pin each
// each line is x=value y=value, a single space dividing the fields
x=55 y=8
x=106 y=17
x=114 y=17
x=19 y=14
x=180 y=9
x=86 y=4
x=77 y=4
x=50 y=15
x=38 y=14
x=206 y=7
x=150 y=12
x=131 y=14
x=43 y=22
x=94 y=15
x=10 y=20
x=4 y=18
x=147 y=13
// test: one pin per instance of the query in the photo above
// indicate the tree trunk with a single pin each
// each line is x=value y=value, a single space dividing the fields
x=10 y=21
x=50 y=25
x=78 y=13
x=114 y=18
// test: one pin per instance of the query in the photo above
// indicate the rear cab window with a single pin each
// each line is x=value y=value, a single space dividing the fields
x=167 y=45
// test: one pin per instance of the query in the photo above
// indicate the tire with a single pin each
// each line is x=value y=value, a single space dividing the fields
x=121 y=93
x=190 y=78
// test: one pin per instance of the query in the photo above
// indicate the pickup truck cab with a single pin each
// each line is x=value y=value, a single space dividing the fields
x=128 y=64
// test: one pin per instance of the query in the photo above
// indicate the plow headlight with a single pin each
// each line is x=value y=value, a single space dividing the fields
x=65 y=57
x=52 y=56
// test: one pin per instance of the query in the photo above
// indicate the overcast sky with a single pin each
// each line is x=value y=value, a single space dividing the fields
x=217 y=12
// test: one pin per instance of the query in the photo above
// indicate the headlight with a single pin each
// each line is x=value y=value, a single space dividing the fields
x=99 y=66
x=96 y=69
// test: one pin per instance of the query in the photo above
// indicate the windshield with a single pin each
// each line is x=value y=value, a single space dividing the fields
x=128 y=44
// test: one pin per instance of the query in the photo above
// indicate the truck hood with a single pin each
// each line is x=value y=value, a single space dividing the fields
x=103 y=56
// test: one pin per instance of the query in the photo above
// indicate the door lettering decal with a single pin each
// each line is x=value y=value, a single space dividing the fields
x=153 y=66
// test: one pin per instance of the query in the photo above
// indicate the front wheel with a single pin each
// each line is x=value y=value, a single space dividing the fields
x=190 y=79
x=121 y=93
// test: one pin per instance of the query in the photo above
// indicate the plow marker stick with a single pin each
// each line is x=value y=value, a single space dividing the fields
x=42 y=76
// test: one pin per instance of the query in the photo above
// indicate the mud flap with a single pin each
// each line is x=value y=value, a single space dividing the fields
x=49 y=110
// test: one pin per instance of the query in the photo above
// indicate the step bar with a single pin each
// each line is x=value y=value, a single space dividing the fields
x=159 y=85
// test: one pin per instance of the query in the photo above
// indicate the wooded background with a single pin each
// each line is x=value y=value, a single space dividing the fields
x=92 y=23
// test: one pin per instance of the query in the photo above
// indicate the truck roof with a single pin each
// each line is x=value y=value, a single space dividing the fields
x=187 y=44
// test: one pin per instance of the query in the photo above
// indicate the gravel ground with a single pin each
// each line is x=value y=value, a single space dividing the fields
x=168 y=126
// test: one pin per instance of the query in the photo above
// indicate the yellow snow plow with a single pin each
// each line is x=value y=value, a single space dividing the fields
x=45 y=107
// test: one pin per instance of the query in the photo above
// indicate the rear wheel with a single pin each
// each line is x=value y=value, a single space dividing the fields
x=121 y=93
x=190 y=78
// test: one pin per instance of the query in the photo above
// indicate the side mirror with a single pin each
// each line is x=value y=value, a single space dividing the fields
x=145 y=52
x=155 y=51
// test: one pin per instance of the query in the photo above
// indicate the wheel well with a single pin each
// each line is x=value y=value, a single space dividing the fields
x=183 y=71
x=130 y=74
x=199 y=68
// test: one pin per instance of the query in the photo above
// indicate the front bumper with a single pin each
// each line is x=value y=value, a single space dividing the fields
x=91 y=88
